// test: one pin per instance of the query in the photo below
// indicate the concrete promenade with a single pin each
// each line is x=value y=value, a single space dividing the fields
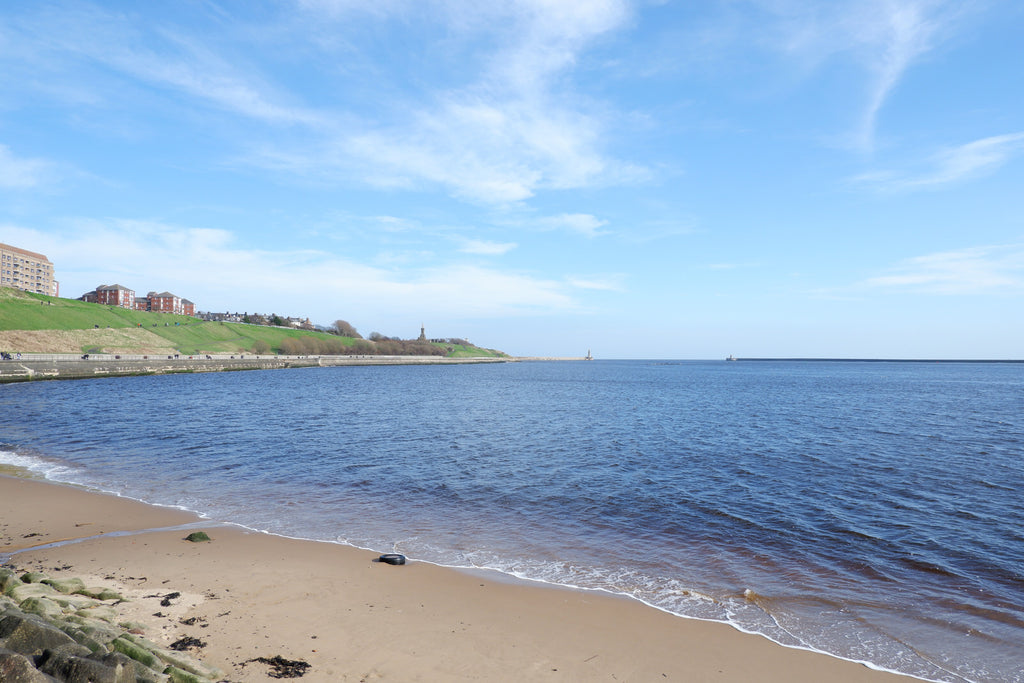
x=32 y=367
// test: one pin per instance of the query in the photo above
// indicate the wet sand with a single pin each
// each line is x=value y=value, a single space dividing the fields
x=247 y=595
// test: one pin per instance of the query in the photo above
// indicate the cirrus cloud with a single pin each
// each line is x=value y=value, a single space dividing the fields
x=950 y=165
x=993 y=269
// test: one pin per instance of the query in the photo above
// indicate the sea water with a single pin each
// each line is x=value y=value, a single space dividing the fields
x=874 y=511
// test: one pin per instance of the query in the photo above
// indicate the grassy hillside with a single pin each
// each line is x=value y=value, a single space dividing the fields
x=462 y=351
x=25 y=311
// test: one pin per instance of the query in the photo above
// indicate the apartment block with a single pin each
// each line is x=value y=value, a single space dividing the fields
x=163 y=302
x=27 y=270
x=111 y=295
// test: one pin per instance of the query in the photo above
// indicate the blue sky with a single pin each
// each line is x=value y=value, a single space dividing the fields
x=644 y=179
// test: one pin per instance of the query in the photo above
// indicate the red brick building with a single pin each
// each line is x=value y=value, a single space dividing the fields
x=113 y=295
x=163 y=302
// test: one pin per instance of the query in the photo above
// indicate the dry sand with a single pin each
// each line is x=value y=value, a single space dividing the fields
x=249 y=595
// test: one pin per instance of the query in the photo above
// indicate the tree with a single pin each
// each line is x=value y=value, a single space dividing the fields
x=261 y=347
x=344 y=329
x=377 y=336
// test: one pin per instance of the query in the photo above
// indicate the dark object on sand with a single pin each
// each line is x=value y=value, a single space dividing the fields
x=197 y=537
x=166 y=602
x=392 y=558
x=283 y=668
x=187 y=642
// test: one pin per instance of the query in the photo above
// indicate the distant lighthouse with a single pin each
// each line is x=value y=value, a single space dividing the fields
x=423 y=332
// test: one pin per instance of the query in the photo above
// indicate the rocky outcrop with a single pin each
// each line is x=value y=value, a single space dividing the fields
x=62 y=630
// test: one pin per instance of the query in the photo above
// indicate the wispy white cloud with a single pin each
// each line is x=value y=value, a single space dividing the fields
x=182 y=64
x=896 y=33
x=952 y=165
x=506 y=130
x=583 y=223
x=882 y=38
x=510 y=131
x=530 y=39
x=604 y=283
x=485 y=149
x=995 y=269
x=464 y=290
x=487 y=248
x=20 y=173
x=221 y=87
x=392 y=223
x=341 y=8
x=767 y=48
x=550 y=36
x=432 y=149
x=650 y=231
x=153 y=56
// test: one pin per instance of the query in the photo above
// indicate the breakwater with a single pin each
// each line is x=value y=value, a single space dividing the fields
x=65 y=366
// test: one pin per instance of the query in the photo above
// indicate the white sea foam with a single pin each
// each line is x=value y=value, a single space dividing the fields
x=34 y=465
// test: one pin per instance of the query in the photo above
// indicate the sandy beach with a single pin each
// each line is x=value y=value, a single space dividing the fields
x=249 y=595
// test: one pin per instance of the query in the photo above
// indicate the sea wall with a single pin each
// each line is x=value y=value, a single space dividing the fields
x=31 y=369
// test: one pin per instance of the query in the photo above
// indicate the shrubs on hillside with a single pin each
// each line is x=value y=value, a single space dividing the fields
x=313 y=346
x=316 y=346
x=399 y=347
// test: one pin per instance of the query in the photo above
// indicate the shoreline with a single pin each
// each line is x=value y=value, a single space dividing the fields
x=253 y=594
x=30 y=369
x=39 y=367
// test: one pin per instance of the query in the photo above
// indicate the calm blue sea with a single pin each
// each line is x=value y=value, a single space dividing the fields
x=870 y=510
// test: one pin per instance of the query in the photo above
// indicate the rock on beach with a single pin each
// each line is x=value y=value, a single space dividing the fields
x=62 y=630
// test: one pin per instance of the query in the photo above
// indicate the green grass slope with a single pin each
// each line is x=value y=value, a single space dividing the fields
x=215 y=337
x=26 y=311
x=463 y=351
